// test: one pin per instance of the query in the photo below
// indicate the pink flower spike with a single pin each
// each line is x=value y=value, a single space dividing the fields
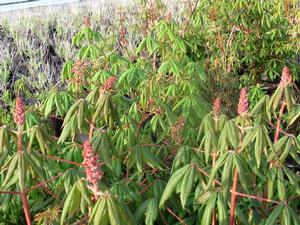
x=109 y=84
x=217 y=106
x=92 y=167
x=286 y=77
x=243 y=103
x=19 y=115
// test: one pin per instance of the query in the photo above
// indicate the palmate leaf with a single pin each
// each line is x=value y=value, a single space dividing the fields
x=131 y=77
x=119 y=214
x=110 y=210
x=22 y=169
x=278 y=148
x=259 y=146
x=286 y=216
x=243 y=172
x=209 y=141
x=293 y=178
x=222 y=210
x=241 y=216
x=105 y=110
x=140 y=156
x=124 y=192
x=32 y=119
x=140 y=211
x=99 y=214
x=36 y=165
x=106 y=149
x=82 y=188
x=210 y=206
x=70 y=113
x=274 y=215
x=293 y=115
x=275 y=99
x=294 y=216
x=207 y=125
x=72 y=203
x=227 y=177
x=232 y=134
x=151 y=212
x=281 y=185
x=47 y=106
x=261 y=106
x=221 y=160
x=67 y=70
x=172 y=183
x=249 y=137
x=114 y=213
x=165 y=67
x=152 y=45
x=3 y=138
x=74 y=119
x=11 y=166
x=187 y=185
x=40 y=137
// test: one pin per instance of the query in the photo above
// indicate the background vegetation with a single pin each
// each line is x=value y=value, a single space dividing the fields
x=182 y=113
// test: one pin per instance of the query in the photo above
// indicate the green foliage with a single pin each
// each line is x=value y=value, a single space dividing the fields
x=166 y=156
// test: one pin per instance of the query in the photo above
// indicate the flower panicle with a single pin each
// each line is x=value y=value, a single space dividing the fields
x=87 y=21
x=217 y=107
x=19 y=115
x=286 y=77
x=169 y=17
x=78 y=68
x=92 y=167
x=243 y=105
x=109 y=84
x=123 y=37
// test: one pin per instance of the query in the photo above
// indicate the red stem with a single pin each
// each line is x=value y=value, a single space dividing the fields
x=276 y=137
x=233 y=196
x=239 y=193
x=22 y=193
x=92 y=128
x=19 y=144
x=44 y=182
x=214 y=218
x=26 y=208
x=10 y=192
x=62 y=160
x=177 y=217
x=279 y=121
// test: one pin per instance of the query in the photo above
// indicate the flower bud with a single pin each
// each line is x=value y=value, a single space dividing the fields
x=19 y=115
x=108 y=85
x=217 y=106
x=79 y=68
x=286 y=77
x=87 y=21
x=169 y=17
x=243 y=103
x=92 y=167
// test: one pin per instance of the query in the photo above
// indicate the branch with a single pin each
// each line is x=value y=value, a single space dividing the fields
x=177 y=217
x=239 y=193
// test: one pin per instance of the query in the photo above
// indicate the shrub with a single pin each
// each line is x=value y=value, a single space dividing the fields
x=142 y=144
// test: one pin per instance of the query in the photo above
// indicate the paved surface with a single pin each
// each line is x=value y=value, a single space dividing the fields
x=10 y=5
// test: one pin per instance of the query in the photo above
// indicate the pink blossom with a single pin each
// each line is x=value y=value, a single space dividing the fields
x=243 y=103
x=92 y=167
x=286 y=77
x=217 y=106
x=19 y=115
x=108 y=85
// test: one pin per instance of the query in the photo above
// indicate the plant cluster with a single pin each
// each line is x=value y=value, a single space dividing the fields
x=147 y=135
